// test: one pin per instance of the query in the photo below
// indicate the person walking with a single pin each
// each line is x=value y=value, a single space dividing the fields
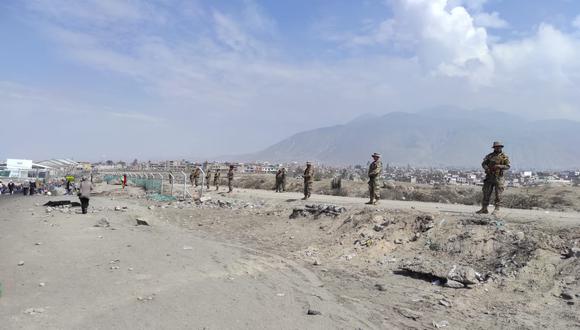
x=11 y=187
x=308 y=180
x=85 y=193
x=494 y=165
x=375 y=170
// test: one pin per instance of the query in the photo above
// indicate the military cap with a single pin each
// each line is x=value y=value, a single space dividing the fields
x=376 y=154
x=308 y=163
x=497 y=144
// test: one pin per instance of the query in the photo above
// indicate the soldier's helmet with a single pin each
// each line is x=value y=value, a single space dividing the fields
x=308 y=163
x=376 y=154
x=497 y=144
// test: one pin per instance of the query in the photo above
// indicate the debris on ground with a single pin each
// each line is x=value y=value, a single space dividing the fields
x=62 y=203
x=141 y=222
x=317 y=210
x=440 y=270
x=103 y=222
x=424 y=222
x=313 y=312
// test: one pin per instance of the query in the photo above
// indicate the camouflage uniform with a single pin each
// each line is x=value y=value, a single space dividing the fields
x=207 y=178
x=196 y=174
x=281 y=180
x=494 y=165
x=308 y=180
x=375 y=170
x=216 y=179
x=231 y=179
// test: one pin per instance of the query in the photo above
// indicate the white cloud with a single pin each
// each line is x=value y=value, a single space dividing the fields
x=228 y=71
x=490 y=20
x=576 y=22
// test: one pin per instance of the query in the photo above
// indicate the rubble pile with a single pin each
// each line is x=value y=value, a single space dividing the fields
x=233 y=205
x=451 y=275
x=317 y=210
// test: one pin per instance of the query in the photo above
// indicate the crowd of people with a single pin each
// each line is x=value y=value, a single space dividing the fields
x=34 y=186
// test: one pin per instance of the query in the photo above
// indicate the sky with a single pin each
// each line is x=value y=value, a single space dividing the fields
x=123 y=79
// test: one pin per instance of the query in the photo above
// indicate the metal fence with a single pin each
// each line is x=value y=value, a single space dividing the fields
x=160 y=182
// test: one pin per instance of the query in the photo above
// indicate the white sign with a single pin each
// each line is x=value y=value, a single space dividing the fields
x=19 y=164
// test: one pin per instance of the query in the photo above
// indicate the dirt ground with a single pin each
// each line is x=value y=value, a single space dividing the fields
x=238 y=261
x=546 y=196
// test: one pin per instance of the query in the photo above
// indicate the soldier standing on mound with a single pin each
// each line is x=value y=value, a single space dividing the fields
x=308 y=180
x=375 y=170
x=494 y=165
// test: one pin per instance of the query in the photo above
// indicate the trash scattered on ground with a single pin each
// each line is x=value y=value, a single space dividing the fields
x=62 y=203
x=317 y=210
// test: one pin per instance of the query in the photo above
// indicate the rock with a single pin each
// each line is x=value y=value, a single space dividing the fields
x=313 y=312
x=38 y=243
x=205 y=199
x=316 y=262
x=463 y=274
x=49 y=209
x=399 y=241
x=34 y=311
x=572 y=252
x=103 y=222
x=520 y=236
x=381 y=287
x=378 y=228
x=566 y=296
x=186 y=247
x=454 y=284
x=441 y=324
x=378 y=219
x=141 y=222
x=445 y=303
x=21 y=263
x=410 y=314
x=118 y=208
x=151 y=207
x=41 y=284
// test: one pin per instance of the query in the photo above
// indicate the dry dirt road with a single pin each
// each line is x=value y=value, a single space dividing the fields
x=239 y=267
x=76 y=276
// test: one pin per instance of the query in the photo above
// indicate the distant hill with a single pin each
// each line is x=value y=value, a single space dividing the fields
x=436 y=137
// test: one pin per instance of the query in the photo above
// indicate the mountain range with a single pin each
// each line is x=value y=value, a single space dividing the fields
x=439 y=137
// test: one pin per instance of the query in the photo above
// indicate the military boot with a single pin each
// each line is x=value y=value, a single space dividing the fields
x=483 y=210
x=370 y=202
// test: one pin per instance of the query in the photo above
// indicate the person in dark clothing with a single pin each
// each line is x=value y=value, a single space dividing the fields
x=11 y=187
x=85 y=193
x=32 y=187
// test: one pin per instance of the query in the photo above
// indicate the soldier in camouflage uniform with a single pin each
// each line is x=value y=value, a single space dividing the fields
x=196 y=174
x=494 y=165
x=375 y=170
x=216 y=179
x=231 y=179
x=207 y=178
x=281 y=180
x=308 y=180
